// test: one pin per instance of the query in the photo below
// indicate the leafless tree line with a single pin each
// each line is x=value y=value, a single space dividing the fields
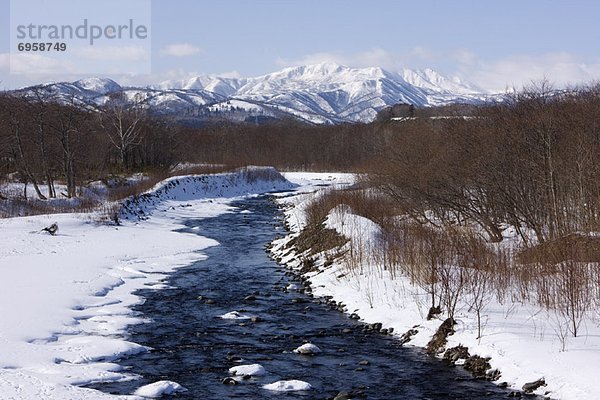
x=42 y=141
x=532 y=162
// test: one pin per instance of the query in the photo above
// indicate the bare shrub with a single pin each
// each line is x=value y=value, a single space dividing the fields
x=108 y=213
x=484 y=269
x=20 y=207
x=563 y=274
x=142 y=185
x=479 y=294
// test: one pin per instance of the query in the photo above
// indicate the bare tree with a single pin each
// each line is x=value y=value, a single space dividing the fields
x=15 y=112
x=66 y=125
x=38 y=107
x=122 y=119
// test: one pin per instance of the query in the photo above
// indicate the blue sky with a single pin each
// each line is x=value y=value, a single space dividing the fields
x=493 y=44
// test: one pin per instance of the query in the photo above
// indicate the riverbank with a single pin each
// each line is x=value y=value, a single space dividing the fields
x=66 y=298
x=524 y=342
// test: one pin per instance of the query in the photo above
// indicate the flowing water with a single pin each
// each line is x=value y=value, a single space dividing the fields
x=193 y=346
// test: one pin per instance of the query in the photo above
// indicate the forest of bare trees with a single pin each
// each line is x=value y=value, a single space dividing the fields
x=43 y=142
x=532 y=162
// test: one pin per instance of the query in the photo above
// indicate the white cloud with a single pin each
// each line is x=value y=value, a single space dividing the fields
x=374 y=57
x=416 y=57
x=421 y=53
x=4 y=60
x=35 y=71
x=34 y=64
x=24 y=69
x=315 y=58
x=229 y=74
x=464 y=56
x=180 y=50
x=560 y=69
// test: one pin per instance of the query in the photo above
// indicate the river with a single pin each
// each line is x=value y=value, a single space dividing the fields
x=193 y=346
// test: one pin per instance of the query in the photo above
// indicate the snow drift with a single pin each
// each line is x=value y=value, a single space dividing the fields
x=245 y=181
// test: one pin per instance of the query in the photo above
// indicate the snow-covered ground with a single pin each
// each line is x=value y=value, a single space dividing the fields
x=66 y=299
x=523 y=340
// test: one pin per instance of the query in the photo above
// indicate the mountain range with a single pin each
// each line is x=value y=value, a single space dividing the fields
x=319 y=93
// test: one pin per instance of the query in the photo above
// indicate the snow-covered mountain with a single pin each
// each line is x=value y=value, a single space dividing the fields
x=320 y=93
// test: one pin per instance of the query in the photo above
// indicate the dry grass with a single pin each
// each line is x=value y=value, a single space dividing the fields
x=22 y=208
x=364 y=202
x=573 y=247
x=252 y=175
x=316 y=238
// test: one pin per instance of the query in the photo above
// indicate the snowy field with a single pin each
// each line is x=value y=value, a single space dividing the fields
x=523 y=341
x=66 y=299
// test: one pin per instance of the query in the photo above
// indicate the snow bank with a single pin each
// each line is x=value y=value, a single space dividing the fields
x=251 y=370
x=157 y=389
x=288 y=386
x=246 y=181
x=523 y=340
x=309 y=184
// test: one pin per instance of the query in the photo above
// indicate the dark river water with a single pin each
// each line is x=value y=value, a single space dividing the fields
x=194 y=347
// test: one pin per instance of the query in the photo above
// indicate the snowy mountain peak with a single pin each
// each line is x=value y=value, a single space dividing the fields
x=214 y=84
x=313 y=70
x=195 y=83
x=432 y=80
x=98 y=85
x=324 y=69
x=329 y=71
